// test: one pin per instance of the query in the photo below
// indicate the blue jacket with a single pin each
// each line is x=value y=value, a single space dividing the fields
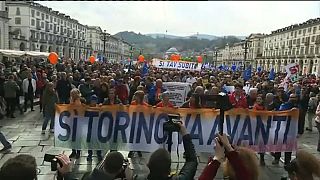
x=286 y=106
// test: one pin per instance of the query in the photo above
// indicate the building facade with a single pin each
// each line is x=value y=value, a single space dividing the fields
x=4 y=26
x=35 y=27
x=38 y=28
x=298 y=43
x=242 y=53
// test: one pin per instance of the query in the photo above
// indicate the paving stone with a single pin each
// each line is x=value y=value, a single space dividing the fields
x=30 y=149
x=26 y=143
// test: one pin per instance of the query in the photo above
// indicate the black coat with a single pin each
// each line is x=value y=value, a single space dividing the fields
x=189 y=168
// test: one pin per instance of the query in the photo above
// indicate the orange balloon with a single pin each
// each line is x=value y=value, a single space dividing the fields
x=92 y=59
x=53 y=58
x=141 y=58
x=199 y=59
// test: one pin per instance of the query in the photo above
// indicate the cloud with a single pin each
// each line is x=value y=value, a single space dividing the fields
x=186 y=18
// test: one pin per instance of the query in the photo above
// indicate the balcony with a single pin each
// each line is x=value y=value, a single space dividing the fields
x=59 y=42
x=33 y=39
x=43 y=41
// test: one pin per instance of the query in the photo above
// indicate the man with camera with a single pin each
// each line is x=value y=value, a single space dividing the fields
x=24 y=167
x=160 y=161
x=112 y=167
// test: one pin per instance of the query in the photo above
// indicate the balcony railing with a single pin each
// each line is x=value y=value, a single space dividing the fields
x=33 y=39
x=43 y=41
x=59 y=42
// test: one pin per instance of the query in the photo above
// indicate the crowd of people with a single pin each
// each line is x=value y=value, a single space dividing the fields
x=104 y=83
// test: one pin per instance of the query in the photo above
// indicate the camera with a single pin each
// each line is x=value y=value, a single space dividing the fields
x=122 y=174
x=171 y=125
x=53 y=160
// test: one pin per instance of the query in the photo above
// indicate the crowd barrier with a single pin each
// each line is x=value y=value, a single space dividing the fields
x=139 y=128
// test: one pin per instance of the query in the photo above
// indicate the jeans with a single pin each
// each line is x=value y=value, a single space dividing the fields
x=28 y=97
x=48 y=118
x=287 y=157
x=311 y=116
x=11 y=105
x=99 y=153
x=318 y=127
x=302 y=120
x=3 y=140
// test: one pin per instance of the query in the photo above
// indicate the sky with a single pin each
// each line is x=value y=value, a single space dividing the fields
x=219 y=18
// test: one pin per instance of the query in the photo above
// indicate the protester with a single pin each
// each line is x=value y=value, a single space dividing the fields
x=24 y=167
x=122 y=92
x=312 y=107
x=111 y=168
x=252 y=96
x=159 y=90
x=304 y=167
x=10 y=93
x=94 y=103
x=86 y=90
x=6 y=145
x=258 y=105
x=138 y=100
x=75 y=99
x=29 y=88
x=241 y=163
x=50 y=98
x=165 y=101
x=160 y=161
x=237 y=98
x=317 y=121
x=303 y=107
x=63 y=88
x=292 y=103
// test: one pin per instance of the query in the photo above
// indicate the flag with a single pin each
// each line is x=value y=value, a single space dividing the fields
x=145 y=69
x=233 y=67
x=259 y=69
x=271 y=74
x=220 y=67
x=247 y=73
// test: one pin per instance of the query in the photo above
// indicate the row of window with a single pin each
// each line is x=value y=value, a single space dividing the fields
x=310 y=30
x=294 y=51
x=54 y=19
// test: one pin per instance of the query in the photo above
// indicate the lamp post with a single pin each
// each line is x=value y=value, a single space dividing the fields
x=216 y=56
x=245 y=53
x=104 y=37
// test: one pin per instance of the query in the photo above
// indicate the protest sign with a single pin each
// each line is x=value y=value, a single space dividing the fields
x=292 y=72
x=181 y=65
x=177 y=92
x=139 y=128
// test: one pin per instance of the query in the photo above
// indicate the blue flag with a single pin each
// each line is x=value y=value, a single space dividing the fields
x=247 y=73
x=145 y=69
x=271 y=74
x=233 y=67
x=259 y=69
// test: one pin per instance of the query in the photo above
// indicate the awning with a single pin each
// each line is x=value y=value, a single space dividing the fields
x=15 y=53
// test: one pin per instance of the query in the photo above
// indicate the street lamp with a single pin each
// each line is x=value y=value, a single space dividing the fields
x=104 y=37
x=216 y=56
x=245 y=53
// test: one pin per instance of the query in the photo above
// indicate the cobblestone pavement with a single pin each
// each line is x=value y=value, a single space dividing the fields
x=24 y=132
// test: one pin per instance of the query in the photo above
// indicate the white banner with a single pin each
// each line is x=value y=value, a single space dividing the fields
x=292 y=72
x=181 y=65
x=140 y=128
x=177 y=92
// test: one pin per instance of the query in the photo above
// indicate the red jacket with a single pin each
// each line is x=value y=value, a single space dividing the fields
x=241 y=172
x=122 y=93
x=241 y=103
x=160 y=104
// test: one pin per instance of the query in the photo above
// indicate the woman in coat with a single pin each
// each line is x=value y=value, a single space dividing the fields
x=49 y=100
